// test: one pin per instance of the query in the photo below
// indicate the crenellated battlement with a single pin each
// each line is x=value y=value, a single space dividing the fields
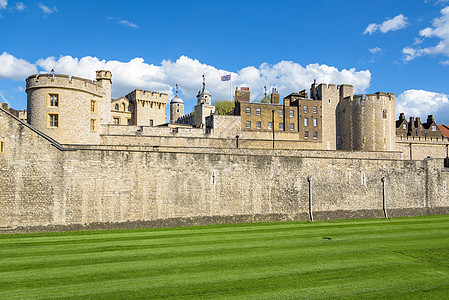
x=59 y=81
x=145 y=95
x=362 y=99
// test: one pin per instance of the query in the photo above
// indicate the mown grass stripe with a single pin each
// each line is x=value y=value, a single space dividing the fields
x=349 y=259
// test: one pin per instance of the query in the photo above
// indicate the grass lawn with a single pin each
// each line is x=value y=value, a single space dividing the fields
x=364 y=258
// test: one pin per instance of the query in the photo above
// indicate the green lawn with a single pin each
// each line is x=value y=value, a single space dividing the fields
x=364 y=258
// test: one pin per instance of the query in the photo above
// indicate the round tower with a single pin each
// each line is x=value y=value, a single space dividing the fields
x=104 y=78
x=68 y=109
x=176 y=107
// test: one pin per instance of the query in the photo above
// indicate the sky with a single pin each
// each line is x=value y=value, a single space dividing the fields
x=399 y=47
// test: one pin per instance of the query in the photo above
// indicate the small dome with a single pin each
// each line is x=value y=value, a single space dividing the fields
x=203 y=91
x=176 y=100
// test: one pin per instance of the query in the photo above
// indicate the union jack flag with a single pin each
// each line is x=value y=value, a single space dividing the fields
x=226 y=77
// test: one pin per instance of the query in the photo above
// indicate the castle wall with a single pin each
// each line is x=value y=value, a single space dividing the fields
x=43 y=185
x=421 y=147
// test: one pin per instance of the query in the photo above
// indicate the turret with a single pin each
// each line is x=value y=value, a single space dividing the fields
x=176 y=107
x=104 y=77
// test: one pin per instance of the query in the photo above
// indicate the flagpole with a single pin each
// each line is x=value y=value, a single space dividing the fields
x=230 y=87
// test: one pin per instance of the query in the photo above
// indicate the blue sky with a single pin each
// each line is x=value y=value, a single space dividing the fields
x=392 y=46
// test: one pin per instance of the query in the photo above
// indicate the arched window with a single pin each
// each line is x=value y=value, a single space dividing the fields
x=123 y=106
x=116 y=107
x=129 y=107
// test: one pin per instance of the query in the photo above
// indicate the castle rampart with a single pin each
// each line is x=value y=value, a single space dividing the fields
x=43 y=185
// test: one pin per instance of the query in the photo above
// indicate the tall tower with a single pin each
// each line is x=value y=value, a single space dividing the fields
x=176 y=107
x=203 y=108
x=203 y=96
x=105 y=78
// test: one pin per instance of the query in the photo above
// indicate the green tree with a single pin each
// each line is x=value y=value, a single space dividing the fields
x=224 y=107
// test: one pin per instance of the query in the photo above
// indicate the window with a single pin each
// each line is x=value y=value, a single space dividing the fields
x=292 y=126
x=292 y=114
x=2 y=146
x=116 y=107
x=404 y=126
x=92 y=106
x=315 y=122
x=306 y=134
x=315 y=135
x=281 y=126
x=54 y=100
x=270 y=125
x=257 y=111
x=306 y=121
x=128 y=121
x=93 y=124
x=177 y=110
x=281 y=113
x=384 y=114
x=314 y=109
x=248 y=124
x=434 y=128
x=129 y=107
x=248 y=110
x=123 y=106
x=306 y=109
x=258 y=125
x=53 y=120
x=116 y=121
x=151 y=122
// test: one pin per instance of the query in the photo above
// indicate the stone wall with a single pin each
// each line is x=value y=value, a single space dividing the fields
x=44 y=184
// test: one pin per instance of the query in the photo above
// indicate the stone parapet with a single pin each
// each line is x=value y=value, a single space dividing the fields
x=64 y=82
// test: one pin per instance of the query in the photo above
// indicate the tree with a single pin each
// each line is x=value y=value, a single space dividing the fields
x=224 y=107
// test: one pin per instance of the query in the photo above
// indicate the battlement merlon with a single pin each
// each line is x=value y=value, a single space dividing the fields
x=59 y=81
x=104 y=76
x=318 y=91
x=145 y=95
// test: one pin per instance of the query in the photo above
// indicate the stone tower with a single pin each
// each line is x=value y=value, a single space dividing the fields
x=104 y=77
x=367 y=124
x=176 y=107
x=71 y=110
x=330 y=96
x=203 y=108
x=203 y=96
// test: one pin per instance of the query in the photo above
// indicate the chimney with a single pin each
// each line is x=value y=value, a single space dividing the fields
x=275 y=98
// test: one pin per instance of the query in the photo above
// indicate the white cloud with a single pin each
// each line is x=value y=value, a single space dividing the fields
x=3 y=4
x=420 y=103
x=396 y=23
x=128 y=23
x=14 y=68
x=47 y=10
x=440 y=30
x=375 y=50
x=3 y=98
x=19 y=6
x=286 y=76
x=445 y=62
x=124 y=22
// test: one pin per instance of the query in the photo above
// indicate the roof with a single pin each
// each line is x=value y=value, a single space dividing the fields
x=176 y=99
x=444 y=129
